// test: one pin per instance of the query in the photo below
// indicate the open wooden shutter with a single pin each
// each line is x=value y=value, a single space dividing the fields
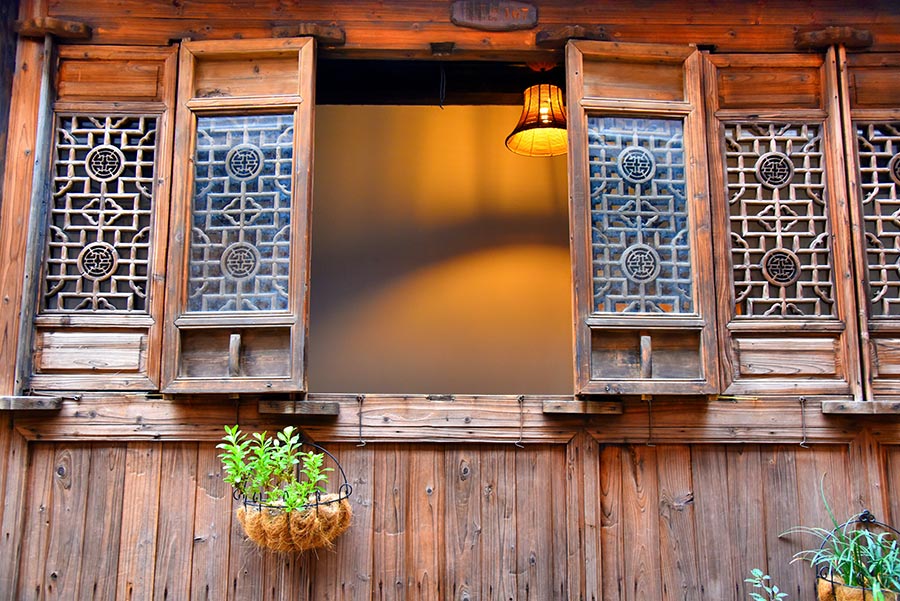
x=640 y=220
x=786 y=298
x=99 y=303
x=871 y=93
x=238 y=271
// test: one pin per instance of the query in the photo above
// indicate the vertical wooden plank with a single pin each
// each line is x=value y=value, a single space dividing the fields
x=71 y=478
x=346 y=572
x=612 y=557
x=677 y=545
x=137 y=546
x=641 y=523
x=424 y=538
x=867 y=477
x=534 y=517
x=892 y=468
x=245 y=562
x=555 y=481
x=8 y=13
x=499 y=524
x=718 y=576
x=746 y=499
x=593 y=575
x=282 y=578
x=212 y=528
x=177 y=494
x=463 y=523
x=16 y=200
x=37 y=527
x=390 y=526
x=13 y=477
x=782 y=513
x=106 y=493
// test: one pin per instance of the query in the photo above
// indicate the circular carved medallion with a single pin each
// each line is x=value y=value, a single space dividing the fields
x=894 y=168
x=244 y=161
x=636 y=164
x=774 y=170
x=640 y=263
x=104 y=163
x=240 y=260
x=781 y=267
x=98 y=260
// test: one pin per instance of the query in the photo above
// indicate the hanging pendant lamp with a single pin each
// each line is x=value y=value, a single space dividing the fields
x=541 y=131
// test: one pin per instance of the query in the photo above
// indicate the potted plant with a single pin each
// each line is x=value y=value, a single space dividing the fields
x=285 y=504
x=858 y=560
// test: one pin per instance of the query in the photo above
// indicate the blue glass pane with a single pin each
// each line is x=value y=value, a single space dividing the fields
x=639 y=217
x=240 y=236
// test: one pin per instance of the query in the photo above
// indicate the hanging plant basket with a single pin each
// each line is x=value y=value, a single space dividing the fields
x=830 y=586
x=272 y=519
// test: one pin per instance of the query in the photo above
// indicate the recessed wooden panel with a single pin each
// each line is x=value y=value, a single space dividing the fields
x=633 y=355
x=874 y=88
x=887 y=356
x=787 y=356
x=132 y=80
x=259 y=76
x=633 y=80
x=89 y=351
x=259 y=353
x=742 y=87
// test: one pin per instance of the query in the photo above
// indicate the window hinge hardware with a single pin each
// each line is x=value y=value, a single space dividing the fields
x=557 y=37
x=442 y=48
x=30 y=403
x=326 y=35
x=849 y=37
x=41 y=26
x=441 y=397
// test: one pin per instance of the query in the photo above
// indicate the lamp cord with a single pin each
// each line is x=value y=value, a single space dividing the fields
x=442 y=92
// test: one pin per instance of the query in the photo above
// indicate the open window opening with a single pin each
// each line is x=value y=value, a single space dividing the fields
x=440 y=260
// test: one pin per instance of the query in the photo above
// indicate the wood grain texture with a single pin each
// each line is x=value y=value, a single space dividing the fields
x=105 y=503
x=137 y=545
x=711 y=506
x=37 y=527
x=640 y=494
x=175 y=530
x=499 y=524
x=391 y=473
x=677 y=528
x=424 y=557
x=783 y=513
x=212 y=528
x=463 y=523
x=65 y=550
x=746 y=513
x=612 y=539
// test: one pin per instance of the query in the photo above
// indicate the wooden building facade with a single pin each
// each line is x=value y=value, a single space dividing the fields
x=731 y=280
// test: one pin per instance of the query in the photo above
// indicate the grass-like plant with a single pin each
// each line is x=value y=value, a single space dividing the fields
x=850 y=554
x=264 y=469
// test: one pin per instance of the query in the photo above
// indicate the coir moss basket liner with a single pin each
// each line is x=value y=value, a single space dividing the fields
x=314 y=527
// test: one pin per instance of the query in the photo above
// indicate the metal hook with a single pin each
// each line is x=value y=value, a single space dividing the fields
x=518 y=443
x=649 y=442
x=359 y=400
x=803 y=422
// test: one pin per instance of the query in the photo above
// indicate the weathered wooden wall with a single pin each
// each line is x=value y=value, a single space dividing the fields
x=143 y=520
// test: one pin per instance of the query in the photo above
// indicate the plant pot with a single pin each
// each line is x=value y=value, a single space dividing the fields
x=314 y=527
x=836 y=591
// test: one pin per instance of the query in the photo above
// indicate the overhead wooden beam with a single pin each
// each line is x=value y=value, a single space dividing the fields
x=556 y=38
x=41 y=26
x=849 y=37
x=861 y=407
x=326 y=35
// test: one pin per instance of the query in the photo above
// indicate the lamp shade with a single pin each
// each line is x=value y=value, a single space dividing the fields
x=541 y=131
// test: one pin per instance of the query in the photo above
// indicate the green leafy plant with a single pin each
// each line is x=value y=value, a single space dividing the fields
x=852 y=555
x=265 y=469
x=763 y=581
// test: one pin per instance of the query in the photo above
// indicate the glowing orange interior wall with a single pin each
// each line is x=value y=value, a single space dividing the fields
x=440 y=260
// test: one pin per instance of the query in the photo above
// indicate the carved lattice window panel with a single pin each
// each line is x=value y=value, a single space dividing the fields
x=99 y=237
x=879 y=166
x=639 y=219
x=240 y=240
x=780 y=242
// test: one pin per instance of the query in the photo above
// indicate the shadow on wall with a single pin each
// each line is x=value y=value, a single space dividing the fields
x=440 y=259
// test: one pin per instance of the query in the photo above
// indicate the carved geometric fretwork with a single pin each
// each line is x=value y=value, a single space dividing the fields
x=98 y=244
x=240 y=239
x=879 y=166
x=639 y=217
x=780 y=242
